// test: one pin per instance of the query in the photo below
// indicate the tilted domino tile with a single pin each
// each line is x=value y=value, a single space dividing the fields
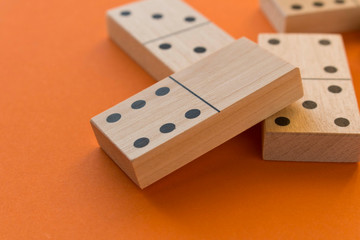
x=178 y=119
x=324 y=126
x=312 y=15
x=164 y=36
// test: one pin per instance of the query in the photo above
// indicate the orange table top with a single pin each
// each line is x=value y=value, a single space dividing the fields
x=59 y=68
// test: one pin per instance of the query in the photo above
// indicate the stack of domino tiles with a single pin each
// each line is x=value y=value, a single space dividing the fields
x=220 y=88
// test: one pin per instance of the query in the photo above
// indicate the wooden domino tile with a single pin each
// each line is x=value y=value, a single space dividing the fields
x=164 y=36
x=323 y=126
x=187 y=114
x=312 y=15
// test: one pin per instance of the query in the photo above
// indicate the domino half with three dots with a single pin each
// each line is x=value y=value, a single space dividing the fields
x=187 y=114
x=324 y=126
x=312 y=15
x=164 y=36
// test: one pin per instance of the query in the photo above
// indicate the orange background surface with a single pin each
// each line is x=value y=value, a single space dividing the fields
x=58 y=69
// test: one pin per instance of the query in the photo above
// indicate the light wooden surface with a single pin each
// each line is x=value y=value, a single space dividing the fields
x=316 y=56
x=143 y=27
x=325 y=124
x=312 y=16
x=231 y=90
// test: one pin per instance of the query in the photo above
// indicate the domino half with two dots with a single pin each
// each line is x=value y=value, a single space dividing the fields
x=187 y=114
x=164 y=36
x=312 y=15
x=324 y=126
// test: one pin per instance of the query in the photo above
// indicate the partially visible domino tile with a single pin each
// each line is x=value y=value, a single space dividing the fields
x=189 y=47
x=313 y=54
x=149 y=20
x=178 y=119
x=324 y=126
x=312 y=15
x=164 y=36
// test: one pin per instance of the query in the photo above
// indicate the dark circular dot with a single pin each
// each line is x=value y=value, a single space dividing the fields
x=318 y=4
x=113 y=117
x=138 y=104
x=190 y=19
x=157 y=16
x=296 y=6
x=334 y=89
x=342 y=122
x=282 y=121
x=162 y=91
x=330 y=69
x=340 y=1
x=199 y=49
x=141 y=142
x=125 y=13
x=274 y=41
x=309 y=104
x=165 y=46
x=324 y=42
x=193 y=113
x=166 y=128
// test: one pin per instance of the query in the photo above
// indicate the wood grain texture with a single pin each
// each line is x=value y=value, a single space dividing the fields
x=317 y=56
x=141 y=28
x=227 y=92
x=312 y=16
x=324 y=125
